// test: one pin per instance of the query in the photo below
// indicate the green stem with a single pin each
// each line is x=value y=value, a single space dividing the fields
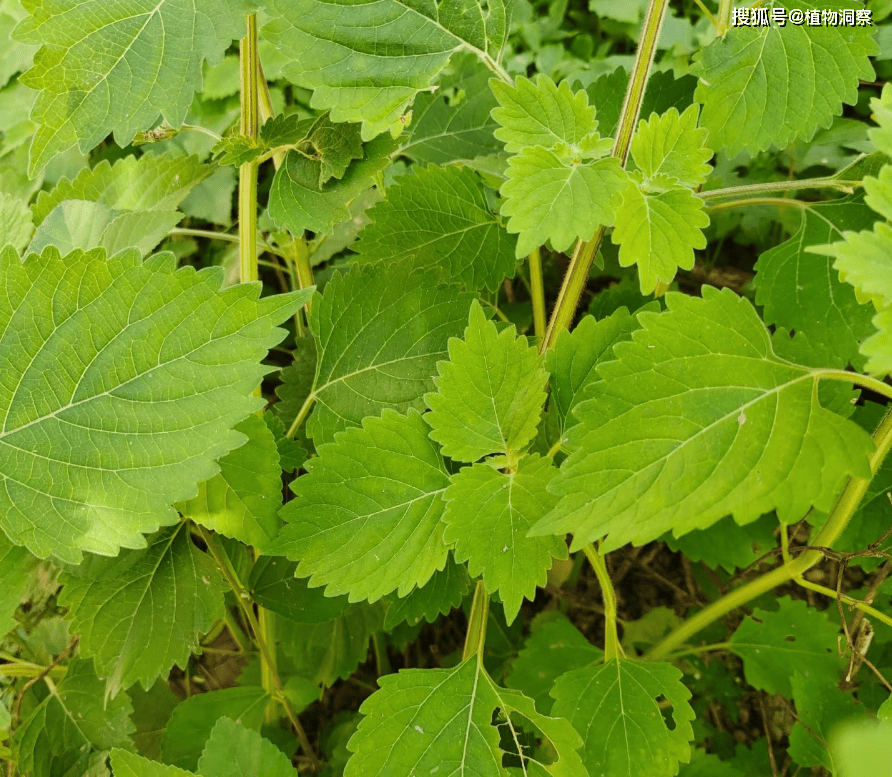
x=856 y=603
x=537 y=293
x=612 y=648
x=724 y=20
x=584 y=254
x=301 y=416
x=181 y=232
x=781 y=186
x=476 y=635
x=246 y=603
x=777 y=201
x=837 y=521
x=250 y=126
x=857 y=379
x=241 y=639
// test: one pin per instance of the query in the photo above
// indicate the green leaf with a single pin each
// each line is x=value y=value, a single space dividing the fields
x=145 y=183
x=863 y=746
x=120 y=366
x=243 y=500
x=336 y=145
x=881 y=135
x=379 y=334
x=489 y=394
x=800 y=291
x=297 y=380
x=422 y=719
x=443 y=592
x=194 y=719
x=793 y=638
x=16 y=565
x=820 y=708
x=144 y=611
x=129 y=765
x=106 y=68
x=671 y=145
x=273 y=585
x=366 y=519
x=572 y=362
x=727 y=545
x=659 y=232
x=488 y=515
x=73 y=721
x=616 y=705
x=551 y=198
x=15 y=222
x=748 y=434
x=438 y=218
x=542 y=114
x=298 y=201
x=555 y=646
x=151 y=713
x=333 y=46
x=236 y=751
x=770 y=85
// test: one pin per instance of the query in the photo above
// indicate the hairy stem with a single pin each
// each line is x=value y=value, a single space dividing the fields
x=537 y=293
x=837 y=521
x=250 y=126
x=782 y=186
x=476 y=635
x=581 y=263
x=612 y=647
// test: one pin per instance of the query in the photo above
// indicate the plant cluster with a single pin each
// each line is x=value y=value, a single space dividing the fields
x=363 y=364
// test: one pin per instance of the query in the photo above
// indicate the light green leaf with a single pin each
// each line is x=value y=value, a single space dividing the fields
x=148 y=182
x=334 y=45
x=70 y=723
x=366 y=519
x=881 y=135
x=242 y=501
x=878 y=192
x=379 y=334
x=120 y=366
x=863 y=746
x=748 y=434
x=572 y=362
x=423 y=719
x=15 y=222
x=542 y=114
x=659 y=232
x=793 y=638
x=299 y=202
x=130 y=765
x=770 y=85
x=194 y=719
x=114 y=67
x=671 y=145
x=800 y=291
x=16 y=565
x=550 y=198
x=273 y=585
x=820 y=707
x=444 y=591
x=488 y=515
x=555 y=646
x=489 y=394
x=144 y=611
x=616 y=705
x=438 y=218
x=236 y=751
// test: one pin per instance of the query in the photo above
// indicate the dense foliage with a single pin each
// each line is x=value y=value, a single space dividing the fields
x=455 y=387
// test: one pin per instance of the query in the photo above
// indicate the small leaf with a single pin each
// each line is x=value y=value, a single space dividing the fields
x=242 y=501
x=144 y=611
x=235 y=751
x=15 y=222
x=548 y=198
x=489 y=394
x=443 y=592
x=732 y=405
x=366 y=519
x=616 y=704
x=671 y=145
x=438 y=218
x=659 y=233
x=488 y=515
x=130 y=765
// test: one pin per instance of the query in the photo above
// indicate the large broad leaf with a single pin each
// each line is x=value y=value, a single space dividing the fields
x=799 y=289
x=144 y=611
x=114 y=67
x=333 y=46
x=489 y=394
x=236 y=751
x=423 y=720
x=243 y=500
x=617 y=707
x=864 y=746
x=71 y=723
x=439 y=219
x=684 y=430
x=772 y=84
x=122 y=382
x=366 y=520
x=379 y=334
x=488 y=516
